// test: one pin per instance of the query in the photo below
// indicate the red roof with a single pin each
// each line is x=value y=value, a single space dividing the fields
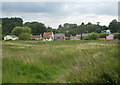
x=47 y=33
x=36 y=36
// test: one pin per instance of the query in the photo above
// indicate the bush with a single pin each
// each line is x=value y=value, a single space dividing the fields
x=19 y=30
x=103 y=35
x=86 y=38
x=93 y=36
x=25 y=36
x=116 y=35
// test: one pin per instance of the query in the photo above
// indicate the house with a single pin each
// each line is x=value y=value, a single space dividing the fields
x=10 y=37
x=108 y=31
x=83 y=36
x=36 y=37
x=77 y=37
x=59 y=36
x=48 y=36
x=110 y=37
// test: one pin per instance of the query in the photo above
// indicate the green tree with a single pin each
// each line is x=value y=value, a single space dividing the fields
x=82 y=23
x=9 y=23
x=103 y=35
x=18 y=30
x=93 y=36
x=81 y=29
x=67 y=26
x=36 y=27
x=116 y=35
x=119 y=27
x=104 y=27
x=24 y=36
x=60 y=27
x=73 y=33
x=113 y=26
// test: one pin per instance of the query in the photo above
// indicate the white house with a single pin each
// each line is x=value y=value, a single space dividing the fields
x=108 y=31
x=10 y=37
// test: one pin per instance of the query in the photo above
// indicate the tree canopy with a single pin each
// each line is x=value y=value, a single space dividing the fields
x=9 y=23
x=113 y=26
x=19 y=30
x=36 y=27
x=24 y=36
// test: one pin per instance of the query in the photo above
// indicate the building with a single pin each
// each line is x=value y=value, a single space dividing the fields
x=59 y=36
x=83 y=36
x=10 y=37
x=108 y=31
x=110 y=37
x=48 y=36
x=77 y=37
x=36 y=37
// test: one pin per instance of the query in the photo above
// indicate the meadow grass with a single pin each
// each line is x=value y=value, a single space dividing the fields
x=68 y=61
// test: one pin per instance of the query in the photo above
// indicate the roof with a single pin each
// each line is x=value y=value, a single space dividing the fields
x=59 y=34
x=48 y=33
x=84 y=35
x=36 y=36
x=13 y=36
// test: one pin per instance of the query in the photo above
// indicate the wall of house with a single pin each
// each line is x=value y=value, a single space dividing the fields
x=9 y=38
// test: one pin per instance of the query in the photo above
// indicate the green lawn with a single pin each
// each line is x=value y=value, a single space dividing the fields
x=60 y=61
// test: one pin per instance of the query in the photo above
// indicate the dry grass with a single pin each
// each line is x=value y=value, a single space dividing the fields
x=73 y=61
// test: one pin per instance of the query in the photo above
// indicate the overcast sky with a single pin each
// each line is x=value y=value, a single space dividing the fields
x=54 y=13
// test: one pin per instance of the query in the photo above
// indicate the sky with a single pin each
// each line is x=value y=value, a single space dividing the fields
x=53 y=13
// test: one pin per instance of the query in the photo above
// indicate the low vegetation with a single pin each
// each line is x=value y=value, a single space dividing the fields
x=85 y=61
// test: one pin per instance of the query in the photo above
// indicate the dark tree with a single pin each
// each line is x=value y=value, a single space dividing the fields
x=82 y=23
x=9 y=23
x=113 y=26
x=36 y=27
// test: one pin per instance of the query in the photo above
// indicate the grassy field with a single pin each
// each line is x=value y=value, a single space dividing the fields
x=60 y=61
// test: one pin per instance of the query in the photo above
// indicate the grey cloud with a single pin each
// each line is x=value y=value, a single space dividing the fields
x=60 y=8
x=99 y=8
x=30 y=7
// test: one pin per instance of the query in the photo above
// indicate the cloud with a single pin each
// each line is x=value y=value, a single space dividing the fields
x=60 y=0
x=60 y=8
x=30 y=7
x=55 y=13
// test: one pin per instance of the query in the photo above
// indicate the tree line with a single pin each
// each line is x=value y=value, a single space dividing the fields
x=16 y=26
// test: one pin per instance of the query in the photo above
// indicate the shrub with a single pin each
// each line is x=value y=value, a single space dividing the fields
x=116 y=35
x=19 y=30
x=25 y=36
x=103 y=35
x=86 y=38
x=93 y=36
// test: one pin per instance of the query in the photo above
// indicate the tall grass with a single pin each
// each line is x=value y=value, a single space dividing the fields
x=60 y=61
